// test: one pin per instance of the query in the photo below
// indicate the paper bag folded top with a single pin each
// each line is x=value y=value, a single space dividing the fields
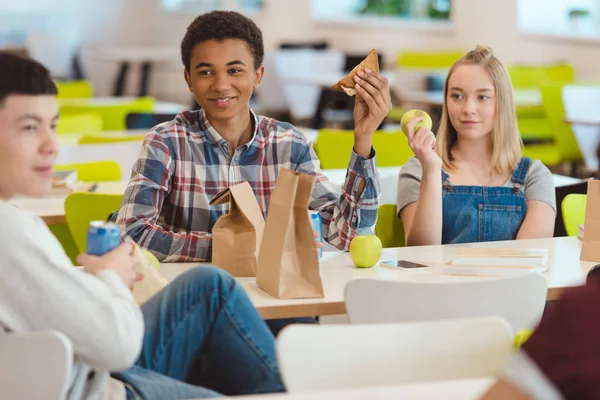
x=236 y=236
x=288 y=265
x=590 y=249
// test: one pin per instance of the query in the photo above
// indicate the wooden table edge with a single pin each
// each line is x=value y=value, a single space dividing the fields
x=54 y=219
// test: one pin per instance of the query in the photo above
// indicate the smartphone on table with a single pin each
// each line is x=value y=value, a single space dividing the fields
x=405 y=265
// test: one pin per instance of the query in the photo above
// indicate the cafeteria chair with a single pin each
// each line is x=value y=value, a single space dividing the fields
x=389 y=228
x=334 y=147
x=74 y=89
x=85 y=124
x=95 y=171
x=326 y=357
x=35 y=365
x=519 y=300
x=573 y=211
x=106 y=139
x=83 y=207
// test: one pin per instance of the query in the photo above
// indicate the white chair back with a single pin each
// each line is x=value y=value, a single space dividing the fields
x=582 y=102
x=520 y=300
x=313 y=357
x=35 y=365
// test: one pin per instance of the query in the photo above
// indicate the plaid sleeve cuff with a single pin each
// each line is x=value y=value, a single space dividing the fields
x=365 y=167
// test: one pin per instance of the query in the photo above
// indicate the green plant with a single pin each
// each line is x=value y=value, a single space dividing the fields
x=579 y=12
x=439 y=9
x=387 y=7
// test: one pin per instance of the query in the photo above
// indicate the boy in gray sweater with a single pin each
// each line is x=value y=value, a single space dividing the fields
x=199 y=337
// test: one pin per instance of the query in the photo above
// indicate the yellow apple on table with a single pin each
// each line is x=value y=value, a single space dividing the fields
x=365 y=250
x=412 y=114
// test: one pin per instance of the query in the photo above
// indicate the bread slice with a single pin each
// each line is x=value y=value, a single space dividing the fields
x=347 y=83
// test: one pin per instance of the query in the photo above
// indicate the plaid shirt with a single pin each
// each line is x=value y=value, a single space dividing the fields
x=184 y=163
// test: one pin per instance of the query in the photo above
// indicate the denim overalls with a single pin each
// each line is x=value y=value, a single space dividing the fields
x=483 y=213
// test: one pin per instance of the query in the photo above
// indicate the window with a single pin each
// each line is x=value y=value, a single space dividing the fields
x=417 y=10
x=244 y=6
x=560 y=18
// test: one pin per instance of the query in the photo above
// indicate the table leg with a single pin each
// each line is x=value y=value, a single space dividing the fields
x=121 y=80
x=145 y=78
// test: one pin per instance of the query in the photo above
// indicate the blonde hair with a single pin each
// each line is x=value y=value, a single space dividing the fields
x=506 y=140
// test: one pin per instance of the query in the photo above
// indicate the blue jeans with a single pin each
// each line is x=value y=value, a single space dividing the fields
x=203 y=338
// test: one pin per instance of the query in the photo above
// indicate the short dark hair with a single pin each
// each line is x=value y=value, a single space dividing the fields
x=20 y=75
x=221 y=25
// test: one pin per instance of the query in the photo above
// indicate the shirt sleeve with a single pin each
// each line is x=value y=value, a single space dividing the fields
x=348 y=214
x=539 y=184
x=150 y=183
x=41 y=290
x=409 y=183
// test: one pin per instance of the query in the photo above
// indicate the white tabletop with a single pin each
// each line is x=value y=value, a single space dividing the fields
x=51 y=208
x=564 y=270
x=523 y=97
x=460 y=389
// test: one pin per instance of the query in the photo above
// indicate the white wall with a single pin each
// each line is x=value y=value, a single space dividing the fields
x=144 y=23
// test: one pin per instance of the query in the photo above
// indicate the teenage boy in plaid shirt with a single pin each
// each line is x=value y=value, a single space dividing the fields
x=184 y=163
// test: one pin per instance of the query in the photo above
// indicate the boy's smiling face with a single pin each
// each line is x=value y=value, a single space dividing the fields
x=28 y=144
x=222 y=78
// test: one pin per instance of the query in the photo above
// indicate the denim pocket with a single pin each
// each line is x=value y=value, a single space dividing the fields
x=499 y=222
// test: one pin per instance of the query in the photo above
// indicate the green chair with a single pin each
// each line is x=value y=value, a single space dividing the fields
x=86 y=172
x=565 y=147
x=532 y=120
x=74 y=89
x=333 y=147
x=83 y=207
x=95 y=171
x=113 y=114
x=428 y=60
x=103 y=139
x=389 y=228
x=573 y=210
x=396 y=113
x=531 y=77
x=84 y=124
x=562 y=132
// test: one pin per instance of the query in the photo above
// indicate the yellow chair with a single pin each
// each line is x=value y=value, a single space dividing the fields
x=532 y=120
x=86 y=172
x=565 y=147
x=74 y=89
x=333 y=147
x=521 y=337
x=84 y=124
x=103 y=139
x=428 y=60
x=113 y=114
x=531 y=77
x=95 y=171
x=389 y=228
x=83 y=207
x=573 y=211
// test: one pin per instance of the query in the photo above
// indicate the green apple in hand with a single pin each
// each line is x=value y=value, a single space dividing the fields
x=365 y=250
x=412 y=114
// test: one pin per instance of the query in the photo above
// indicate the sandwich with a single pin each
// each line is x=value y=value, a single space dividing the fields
x=347 y=83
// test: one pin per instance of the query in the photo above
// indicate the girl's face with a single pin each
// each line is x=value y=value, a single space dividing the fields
x=471 y=102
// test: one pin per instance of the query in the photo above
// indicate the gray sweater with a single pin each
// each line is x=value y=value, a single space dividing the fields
x=41 y=290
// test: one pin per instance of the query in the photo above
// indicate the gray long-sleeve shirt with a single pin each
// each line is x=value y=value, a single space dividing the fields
x=41 y=290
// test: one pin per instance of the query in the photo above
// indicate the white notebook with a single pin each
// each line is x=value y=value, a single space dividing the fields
x=497 y=261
